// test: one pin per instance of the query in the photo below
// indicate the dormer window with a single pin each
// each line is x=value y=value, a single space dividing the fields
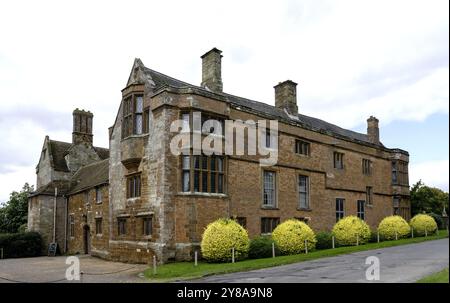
x=135 y=118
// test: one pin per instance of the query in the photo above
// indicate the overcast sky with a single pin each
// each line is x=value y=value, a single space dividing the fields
x=352 y=59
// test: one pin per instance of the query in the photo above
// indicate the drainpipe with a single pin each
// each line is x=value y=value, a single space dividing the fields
x=54 y=215
x=66 y=215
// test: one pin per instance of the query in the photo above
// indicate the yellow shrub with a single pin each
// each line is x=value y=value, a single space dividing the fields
x=421 y=222
x=220 y=237
x=391 y=225
x=349 y=229
x=290 y=237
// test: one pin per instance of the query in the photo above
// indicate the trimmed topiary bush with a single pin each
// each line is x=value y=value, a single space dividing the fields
x=220 y=237
x=351 y=229
x=391 y=225
x=290 y=237
x=421 y=222
x=324 y=240
x=261 y=247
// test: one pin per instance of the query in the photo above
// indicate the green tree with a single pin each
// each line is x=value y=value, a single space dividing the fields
x=14 y=212
x=427 y=199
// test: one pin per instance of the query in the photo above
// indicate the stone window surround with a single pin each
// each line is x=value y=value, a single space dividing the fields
x=141 y=216
x=340 y=212
x=308 y=208
x=272 y=220
x=72 y=225
x=369 y=195
x=137 y=191
x=276 y=184
x=338 y=160
x=367 y=166
x=97 y=220
x=131 y=116
x=122 y=219
x=300 y=141
x=208 y=171
x=98 y=194
x=210 y=115
x=360 y=209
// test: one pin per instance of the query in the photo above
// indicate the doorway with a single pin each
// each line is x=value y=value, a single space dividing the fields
x=86 y=239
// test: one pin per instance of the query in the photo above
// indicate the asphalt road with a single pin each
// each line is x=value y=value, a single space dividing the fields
x=53 y=270
x=406 y=263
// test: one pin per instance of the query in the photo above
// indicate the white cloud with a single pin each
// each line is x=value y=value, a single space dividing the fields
x=432 y=173
x=351 y=58
x=14 y=179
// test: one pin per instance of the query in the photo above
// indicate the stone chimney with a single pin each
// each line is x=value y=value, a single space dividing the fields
x=82 y=126
x=212 y=70
x=286 y=96
x=373 y=132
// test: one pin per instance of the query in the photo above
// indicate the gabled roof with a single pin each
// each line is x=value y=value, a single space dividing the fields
x=58 y=150
x=89 y=176
x=49 y=189
x=160 y=81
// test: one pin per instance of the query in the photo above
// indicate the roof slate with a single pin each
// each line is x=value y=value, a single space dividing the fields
x=90 y=176
x=312 y=123
x=59 y=149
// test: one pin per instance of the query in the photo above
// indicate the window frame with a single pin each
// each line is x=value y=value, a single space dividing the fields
x=130 y=114
x=361 y=209
x=98 y=226
x=147 y=230
x=306 y=192
x=367 y=167
x=399 y=169
x=98 y=193
x=274 y=189
x=338 y=158
x=134 y=191
x=71 y=225
x=203 y=174
x=339 y=208
x=121 y=226
x=369 y=195
x=271 y=224
x=302 y=147
x=242 y=221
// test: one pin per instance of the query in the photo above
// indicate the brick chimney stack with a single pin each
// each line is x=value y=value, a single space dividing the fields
x=82 y=127
x=212 y=70
x=373 y=132
x=286 y=96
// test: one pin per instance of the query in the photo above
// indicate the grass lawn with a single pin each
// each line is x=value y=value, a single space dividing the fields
x=439 y=277
x=187 y=270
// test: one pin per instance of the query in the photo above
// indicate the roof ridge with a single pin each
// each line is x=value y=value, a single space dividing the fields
x=172 y=78
x=326 y=125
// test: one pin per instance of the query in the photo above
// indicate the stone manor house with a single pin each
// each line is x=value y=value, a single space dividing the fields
x=137 y=199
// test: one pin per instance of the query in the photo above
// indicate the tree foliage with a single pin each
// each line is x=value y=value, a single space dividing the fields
x=425 y=199
x=14 y=212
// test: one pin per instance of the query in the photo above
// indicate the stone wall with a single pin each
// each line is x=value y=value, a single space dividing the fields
x=85 y=211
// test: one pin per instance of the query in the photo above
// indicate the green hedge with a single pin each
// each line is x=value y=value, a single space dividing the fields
x=324 y=240
x=28 y=244
x=261 y=247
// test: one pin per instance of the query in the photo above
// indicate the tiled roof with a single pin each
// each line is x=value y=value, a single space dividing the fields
x=90 y=176
x=58 y=150
x=49 y=189
x=312 y=123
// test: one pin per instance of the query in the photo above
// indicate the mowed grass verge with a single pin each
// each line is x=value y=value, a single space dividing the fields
x=186 y=270
x=439 y=277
